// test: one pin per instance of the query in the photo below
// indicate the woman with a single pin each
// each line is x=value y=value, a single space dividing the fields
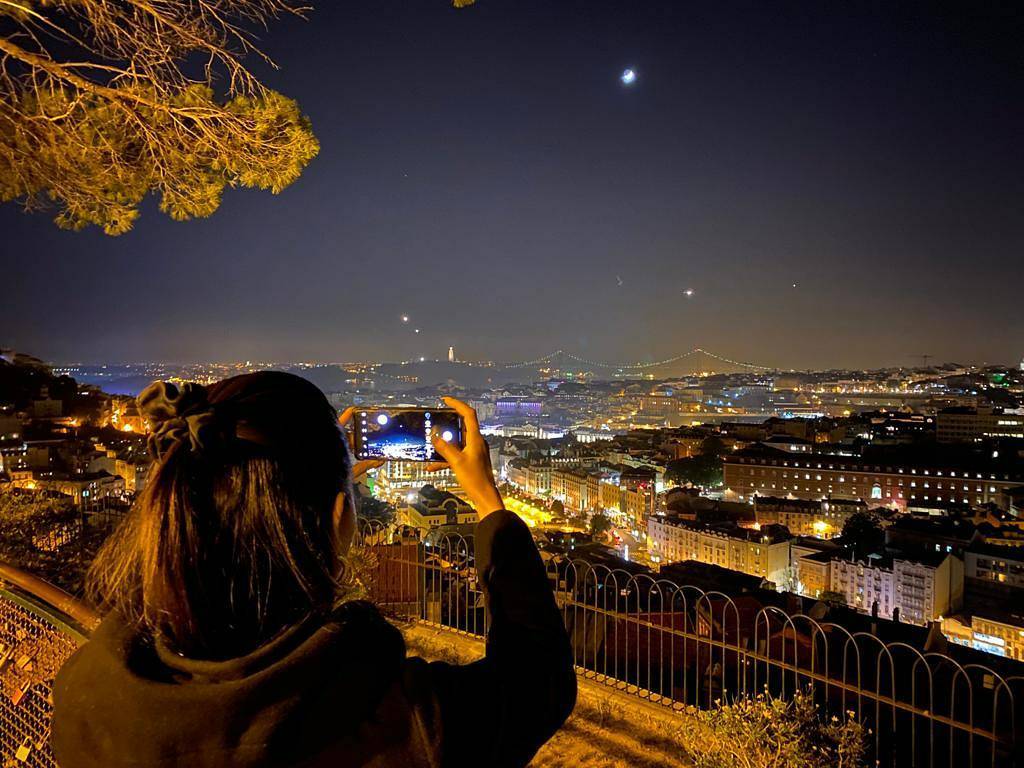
x=228 y=639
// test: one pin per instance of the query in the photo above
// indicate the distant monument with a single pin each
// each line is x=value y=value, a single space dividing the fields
x=451 y=354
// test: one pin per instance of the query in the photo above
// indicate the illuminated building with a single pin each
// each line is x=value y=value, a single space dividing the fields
x=768 y=472
x=967 y=424
x=124 y=415
x=610 y=495
x=995 y=563
x=130 y=466
x=992 y=632
x=662 y=409
x=588 y=490
x=430 y=507
x=538 y=479
x=517 y=407
x=813 y=570
x=394 y=480
x=758 y=553
x=83 y=488
x=576 y=489
x=134 y=473
x=640 y=493
x=789 y=444
x=921 y=589
x=823 y=518
x=686 y=446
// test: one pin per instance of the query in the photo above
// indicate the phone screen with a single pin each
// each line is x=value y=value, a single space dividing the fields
x=404 y=433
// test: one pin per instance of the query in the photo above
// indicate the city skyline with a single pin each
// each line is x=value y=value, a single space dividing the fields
x=674 y=363
x=615 y=369
x=794 y=187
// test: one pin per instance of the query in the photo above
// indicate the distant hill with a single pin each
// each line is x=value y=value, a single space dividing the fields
x=23 y=379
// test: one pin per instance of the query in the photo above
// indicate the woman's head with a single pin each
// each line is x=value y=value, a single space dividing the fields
x=244 y=520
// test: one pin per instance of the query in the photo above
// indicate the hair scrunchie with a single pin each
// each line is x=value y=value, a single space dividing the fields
x=178 y=416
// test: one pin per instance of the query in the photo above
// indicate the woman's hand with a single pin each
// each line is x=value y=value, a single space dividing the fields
x=360 y=468
x=472 y=464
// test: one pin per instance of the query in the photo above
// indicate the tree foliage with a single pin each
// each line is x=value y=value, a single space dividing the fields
x=704 y=471
x=372 y=508
x=103 y=102
x=600 y=524
x=832 y=598
x=41 y=533
x=862 y=533
x=712 y=445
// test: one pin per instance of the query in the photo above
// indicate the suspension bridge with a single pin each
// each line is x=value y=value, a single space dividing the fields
x=696 y=352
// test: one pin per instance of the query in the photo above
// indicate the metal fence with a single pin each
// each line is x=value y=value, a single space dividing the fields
x=681 y=646
x=35 y=640
x=671 y=644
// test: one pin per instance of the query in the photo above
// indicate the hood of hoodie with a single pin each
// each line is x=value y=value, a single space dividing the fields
x=323 y=691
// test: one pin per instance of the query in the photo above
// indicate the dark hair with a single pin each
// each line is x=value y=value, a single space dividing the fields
x=233 y=538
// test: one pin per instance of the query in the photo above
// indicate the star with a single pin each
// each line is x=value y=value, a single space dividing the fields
x=628 y=76
x=688 y=292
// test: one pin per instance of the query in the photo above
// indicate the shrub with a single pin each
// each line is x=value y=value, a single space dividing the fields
x=42 y=533
x=766 y=732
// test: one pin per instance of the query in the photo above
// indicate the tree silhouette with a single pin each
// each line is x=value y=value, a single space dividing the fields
x=703 y=470
x=833 y=599
x=600 y=524
x=862 y=533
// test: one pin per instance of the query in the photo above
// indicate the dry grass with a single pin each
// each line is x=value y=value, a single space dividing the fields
x=612 y=728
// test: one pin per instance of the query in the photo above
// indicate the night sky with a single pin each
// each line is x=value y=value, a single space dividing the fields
x=486 y=172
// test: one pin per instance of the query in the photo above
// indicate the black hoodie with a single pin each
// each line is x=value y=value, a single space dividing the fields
x=331 y=691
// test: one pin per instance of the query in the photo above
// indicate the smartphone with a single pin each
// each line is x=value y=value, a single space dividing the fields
x=403 y=434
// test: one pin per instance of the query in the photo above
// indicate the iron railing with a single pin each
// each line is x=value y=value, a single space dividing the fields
x=682 y=647
x=40 y=627
x=675 y=645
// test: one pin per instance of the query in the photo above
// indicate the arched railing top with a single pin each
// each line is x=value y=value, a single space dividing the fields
x=47 y=593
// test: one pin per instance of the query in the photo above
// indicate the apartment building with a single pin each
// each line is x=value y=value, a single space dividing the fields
x=995 y=563
x=967 y=425
x=921 y=590
x=813 y=571
x=823 y=518
x=762 y=553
